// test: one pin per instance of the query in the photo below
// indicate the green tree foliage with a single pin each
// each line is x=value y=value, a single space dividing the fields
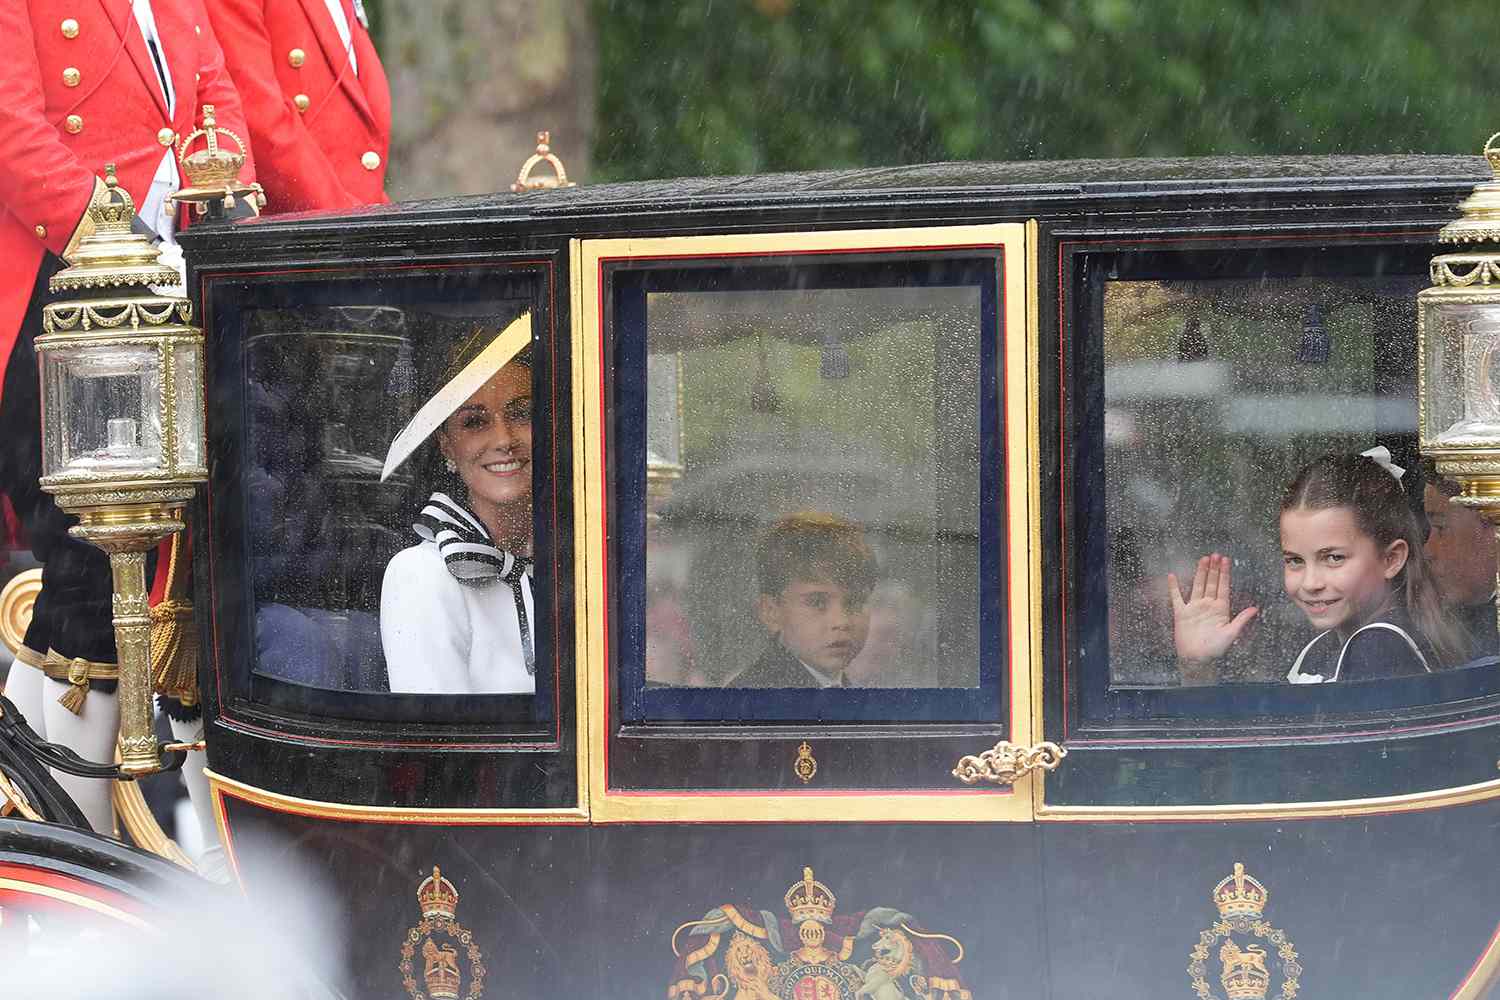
x=745 y=86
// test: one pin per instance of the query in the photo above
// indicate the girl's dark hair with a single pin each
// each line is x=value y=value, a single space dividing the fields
x=1382 y=512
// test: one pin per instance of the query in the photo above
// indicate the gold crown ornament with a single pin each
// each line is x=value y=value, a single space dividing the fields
x=437 y=896
x=1239 y=895
x=213 y=172
x=810 y=900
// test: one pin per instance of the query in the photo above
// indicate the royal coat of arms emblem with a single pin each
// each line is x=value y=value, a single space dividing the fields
x=1239 y=940
x=735 y=952
x=442 y=945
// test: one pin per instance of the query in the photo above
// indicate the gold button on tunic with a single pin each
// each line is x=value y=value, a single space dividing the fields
x=71 y=76
x=370 y=160
x=41 y=232
x=165 y=136
x=296 y=57
x=69 y=28
x=74 y=124
x=302 y=101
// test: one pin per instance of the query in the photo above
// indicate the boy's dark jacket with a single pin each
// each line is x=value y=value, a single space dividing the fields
x=776 y=668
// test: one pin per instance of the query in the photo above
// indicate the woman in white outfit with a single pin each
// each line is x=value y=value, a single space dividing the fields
x=456 y=608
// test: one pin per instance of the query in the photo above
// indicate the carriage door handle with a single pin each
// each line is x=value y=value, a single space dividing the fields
x=1006 y=761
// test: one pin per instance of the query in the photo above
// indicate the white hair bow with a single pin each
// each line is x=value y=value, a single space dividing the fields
x=1382 y=456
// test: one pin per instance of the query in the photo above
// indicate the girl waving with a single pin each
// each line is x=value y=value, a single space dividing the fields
x=1352 y=562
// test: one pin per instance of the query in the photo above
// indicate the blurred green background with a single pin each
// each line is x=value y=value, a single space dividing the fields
x=664 y=89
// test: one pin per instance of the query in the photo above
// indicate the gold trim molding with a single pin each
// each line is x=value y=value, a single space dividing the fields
x=941 y=804
x=1484 y=975
x=223 y=787
x=1441 y=798
x=135 y=817
x=81 y=901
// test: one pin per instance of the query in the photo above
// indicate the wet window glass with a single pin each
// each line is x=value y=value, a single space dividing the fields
x=386 y=481
x=809 y=473
x=1269 y=520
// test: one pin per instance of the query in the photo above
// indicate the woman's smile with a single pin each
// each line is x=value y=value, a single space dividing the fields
x=504 y=468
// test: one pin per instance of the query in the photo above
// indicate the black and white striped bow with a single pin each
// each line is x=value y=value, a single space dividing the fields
x=474 y=560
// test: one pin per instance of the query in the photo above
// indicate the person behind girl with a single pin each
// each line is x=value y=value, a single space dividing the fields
x=1352 y=561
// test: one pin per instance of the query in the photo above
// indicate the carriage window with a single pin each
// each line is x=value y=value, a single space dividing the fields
x=811 y=498
x=386 y=483
x=1267 y=519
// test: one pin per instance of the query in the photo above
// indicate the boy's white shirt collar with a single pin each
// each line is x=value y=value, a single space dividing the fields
x=822 y=678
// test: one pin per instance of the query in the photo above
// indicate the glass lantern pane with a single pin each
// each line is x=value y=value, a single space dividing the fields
x=1462 y=373
x=102 y=411
x=188 y=362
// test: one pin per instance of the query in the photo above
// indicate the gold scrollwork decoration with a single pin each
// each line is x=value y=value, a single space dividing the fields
x=1005 y=762
x=137 y=744
x=134 y=815
x=1462 y=270
x=61 y=317
x=17 y=600
x=14 y=801
x=111 y=314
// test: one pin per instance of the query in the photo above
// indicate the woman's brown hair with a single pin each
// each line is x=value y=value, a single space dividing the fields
x=1382 y=512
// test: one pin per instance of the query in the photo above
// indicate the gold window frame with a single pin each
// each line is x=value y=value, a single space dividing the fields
x=1019 y=407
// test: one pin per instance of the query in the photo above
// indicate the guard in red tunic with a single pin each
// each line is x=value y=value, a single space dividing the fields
x=84 y=83
x=316 y=98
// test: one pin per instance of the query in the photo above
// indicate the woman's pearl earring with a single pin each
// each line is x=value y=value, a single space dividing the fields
x=450 y=465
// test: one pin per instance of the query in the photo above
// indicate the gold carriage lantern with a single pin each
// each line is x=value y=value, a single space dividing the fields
x=122 y=426
x=1458 y=337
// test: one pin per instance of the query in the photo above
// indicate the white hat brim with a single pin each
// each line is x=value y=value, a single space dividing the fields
x=496 y=355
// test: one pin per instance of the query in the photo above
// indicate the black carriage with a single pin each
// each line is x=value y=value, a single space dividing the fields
x=1036 y=390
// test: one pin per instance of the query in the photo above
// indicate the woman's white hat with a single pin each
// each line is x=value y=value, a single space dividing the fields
x=497 y=354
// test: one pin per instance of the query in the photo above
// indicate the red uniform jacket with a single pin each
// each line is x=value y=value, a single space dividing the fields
x=321 y=132
x=78 y=90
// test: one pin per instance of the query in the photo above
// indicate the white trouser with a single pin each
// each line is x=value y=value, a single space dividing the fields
x=211 y=864
x=92 y=735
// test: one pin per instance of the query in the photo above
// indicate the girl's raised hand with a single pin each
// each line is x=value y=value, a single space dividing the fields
x=1202 y=625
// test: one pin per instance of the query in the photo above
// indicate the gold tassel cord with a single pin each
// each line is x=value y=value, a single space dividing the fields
x=73 y=698
x=174 y=651
x=174 y=644
x=76 y=673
